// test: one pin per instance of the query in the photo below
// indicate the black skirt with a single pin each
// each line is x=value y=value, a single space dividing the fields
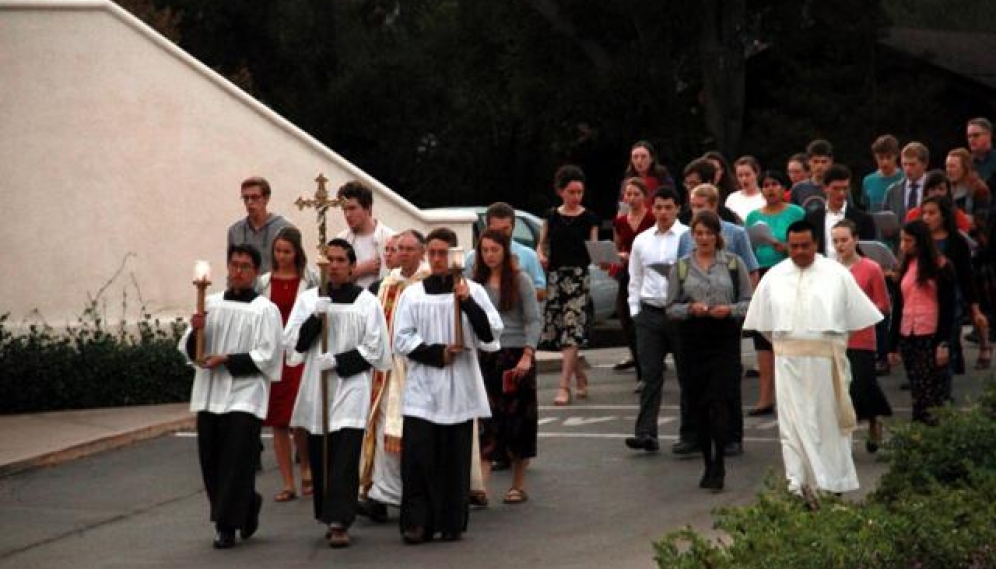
x=866 y=394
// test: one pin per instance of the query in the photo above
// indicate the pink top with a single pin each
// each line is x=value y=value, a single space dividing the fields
x=871 y=280
x=920 y=308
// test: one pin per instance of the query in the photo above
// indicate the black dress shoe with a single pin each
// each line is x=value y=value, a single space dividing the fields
x=252 y=524
x=644 y=442
x=752 y=373
x=414 y=536
x=684 y=448
x=706 y=477
x=624 y=365
x=761 y=411
x=224 y=539
x=370 y=508
x=716 y=482
x=733 y=449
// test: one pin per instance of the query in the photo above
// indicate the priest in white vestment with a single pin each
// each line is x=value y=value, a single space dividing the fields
x=807 y=305
x=444 y=393
x=357 y=344
x=380 y=463
x=243 y=353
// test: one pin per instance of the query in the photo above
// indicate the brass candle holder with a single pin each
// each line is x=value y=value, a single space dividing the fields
x=202 y=280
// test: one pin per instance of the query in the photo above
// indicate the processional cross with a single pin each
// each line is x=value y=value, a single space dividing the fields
x=321 y=202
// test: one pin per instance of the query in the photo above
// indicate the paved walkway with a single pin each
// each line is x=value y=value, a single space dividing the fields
x=34 y=440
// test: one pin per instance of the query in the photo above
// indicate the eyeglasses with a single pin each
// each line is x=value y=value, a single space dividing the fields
x=432 y=253
x=252 y=198
x=240 y=267
x=976 y=134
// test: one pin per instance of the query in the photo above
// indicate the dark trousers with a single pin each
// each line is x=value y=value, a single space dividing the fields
x=625 y=320
x=656 y=336
x=713 y=385
x=930 y=385
x=227 y=447
x=435 y=476
x=337 y=506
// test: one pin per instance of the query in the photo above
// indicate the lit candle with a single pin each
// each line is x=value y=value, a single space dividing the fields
x=202 y=271
x=456 y=257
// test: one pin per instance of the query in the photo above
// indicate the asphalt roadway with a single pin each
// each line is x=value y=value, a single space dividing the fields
x=593 y=503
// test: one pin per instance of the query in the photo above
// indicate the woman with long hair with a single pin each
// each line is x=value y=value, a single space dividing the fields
x=777 y=214
x=643 y=164
x=725 y=180
x=869 y=400
x=922 y=319
x=708 y=294
x=289 y=277
x=562 y=252
x=748 y=198
x=968 y=191
x=510 y=373
x=625 y=228
x=939 y=216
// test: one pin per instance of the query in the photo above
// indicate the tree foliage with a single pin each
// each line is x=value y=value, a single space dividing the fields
x=465 y=102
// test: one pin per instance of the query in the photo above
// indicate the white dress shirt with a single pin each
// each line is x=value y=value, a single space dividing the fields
x=652 y=246
x=832 y=218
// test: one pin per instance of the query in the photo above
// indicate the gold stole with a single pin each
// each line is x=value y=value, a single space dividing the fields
x=389 y=383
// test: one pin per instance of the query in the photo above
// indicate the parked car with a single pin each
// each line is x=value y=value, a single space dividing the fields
x=527 y=232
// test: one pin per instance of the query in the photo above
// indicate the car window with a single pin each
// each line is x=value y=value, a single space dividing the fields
x=523 y=233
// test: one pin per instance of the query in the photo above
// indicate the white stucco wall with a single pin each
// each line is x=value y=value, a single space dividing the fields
x=117 y=147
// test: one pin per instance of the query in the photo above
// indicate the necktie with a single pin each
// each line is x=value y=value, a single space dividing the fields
x=911 y=201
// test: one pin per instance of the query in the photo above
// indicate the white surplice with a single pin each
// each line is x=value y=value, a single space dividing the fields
x=821 y=303
x=455 y=393
x=358 y=325
x=238 y=328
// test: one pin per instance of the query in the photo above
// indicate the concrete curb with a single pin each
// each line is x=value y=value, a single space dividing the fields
x=101 y=444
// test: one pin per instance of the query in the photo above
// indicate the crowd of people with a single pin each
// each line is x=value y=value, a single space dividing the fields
x=401 y=378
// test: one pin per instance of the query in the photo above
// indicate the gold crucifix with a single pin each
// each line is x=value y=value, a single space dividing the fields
x=321 y=203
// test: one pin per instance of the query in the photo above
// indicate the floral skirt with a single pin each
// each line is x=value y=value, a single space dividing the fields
x=565 y=319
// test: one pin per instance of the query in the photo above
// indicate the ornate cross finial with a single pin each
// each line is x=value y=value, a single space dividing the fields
x=321 y=202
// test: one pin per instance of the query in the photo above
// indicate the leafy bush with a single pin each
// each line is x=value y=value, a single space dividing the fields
x=935 y=508
x=89 y=365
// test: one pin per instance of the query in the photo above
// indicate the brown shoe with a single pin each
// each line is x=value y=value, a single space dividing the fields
x=338 y=537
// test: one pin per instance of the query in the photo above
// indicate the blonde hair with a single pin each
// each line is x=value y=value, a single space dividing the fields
x=707 y=191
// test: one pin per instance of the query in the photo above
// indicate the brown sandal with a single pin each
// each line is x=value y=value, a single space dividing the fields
x=515 y=496
x=285 y=496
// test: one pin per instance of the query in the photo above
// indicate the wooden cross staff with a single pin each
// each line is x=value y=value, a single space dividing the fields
x=321 y=202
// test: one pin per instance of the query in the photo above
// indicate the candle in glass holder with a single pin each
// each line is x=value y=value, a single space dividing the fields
x=202 y=279
x=456 y=267
x=456 y=258
x=202 y=271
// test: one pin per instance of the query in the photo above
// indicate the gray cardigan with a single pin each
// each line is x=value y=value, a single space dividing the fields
x=522 y=323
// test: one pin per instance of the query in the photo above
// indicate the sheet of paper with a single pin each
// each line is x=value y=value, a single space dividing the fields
x=603 y=252
x=879 y=253
x=760 y=234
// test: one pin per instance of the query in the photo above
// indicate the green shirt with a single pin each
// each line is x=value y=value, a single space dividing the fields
x=766 y=255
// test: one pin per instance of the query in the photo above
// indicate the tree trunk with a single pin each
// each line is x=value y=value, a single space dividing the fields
x=723 y=69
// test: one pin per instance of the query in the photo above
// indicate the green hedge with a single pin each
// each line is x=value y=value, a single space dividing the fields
x=935 y=508
x=88 y=365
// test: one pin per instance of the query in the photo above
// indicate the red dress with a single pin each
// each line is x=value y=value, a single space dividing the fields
x=283 y=393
